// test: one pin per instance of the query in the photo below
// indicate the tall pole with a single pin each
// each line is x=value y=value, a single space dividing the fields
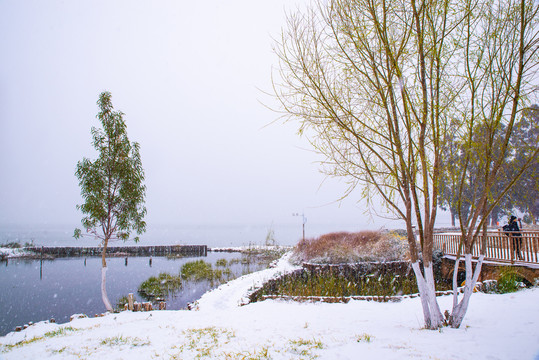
x=304 y=220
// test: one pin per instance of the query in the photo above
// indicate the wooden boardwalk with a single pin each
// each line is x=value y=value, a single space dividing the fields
x=500 y=246
x=160 y=250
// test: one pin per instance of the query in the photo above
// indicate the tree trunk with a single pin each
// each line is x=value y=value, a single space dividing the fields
x=460 y=308
x=431 y=310
x=533 y=216
x=494 y=217
x=104 y=296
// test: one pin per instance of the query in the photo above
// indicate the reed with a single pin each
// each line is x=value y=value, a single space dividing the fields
x=200 y=270
x=509 y=281
x=305 y=284
x=221 y=263
x=159 y=286
x=346 y=247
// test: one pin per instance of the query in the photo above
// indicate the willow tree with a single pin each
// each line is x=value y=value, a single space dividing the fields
x=526 y=198
x=500 y=66
x=376 y=86
x=112 y=185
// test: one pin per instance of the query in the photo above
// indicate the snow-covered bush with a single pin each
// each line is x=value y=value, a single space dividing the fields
x=488 y=286
x=346 y=247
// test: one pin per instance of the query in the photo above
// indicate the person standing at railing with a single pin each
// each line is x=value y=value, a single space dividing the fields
x=513 y=231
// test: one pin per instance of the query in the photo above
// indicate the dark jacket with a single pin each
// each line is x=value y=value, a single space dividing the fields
x=512 y=227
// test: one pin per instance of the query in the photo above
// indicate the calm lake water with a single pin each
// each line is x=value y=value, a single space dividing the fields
x=34 y=291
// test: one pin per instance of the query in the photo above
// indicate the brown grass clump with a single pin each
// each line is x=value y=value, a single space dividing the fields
x=345 y=247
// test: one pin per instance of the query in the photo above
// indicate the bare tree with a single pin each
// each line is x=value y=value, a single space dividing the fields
x=375 y=85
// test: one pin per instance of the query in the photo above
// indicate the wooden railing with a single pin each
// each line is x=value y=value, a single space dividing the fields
x=500 y=246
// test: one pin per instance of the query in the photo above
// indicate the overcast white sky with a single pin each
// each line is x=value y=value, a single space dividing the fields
x=187 y=75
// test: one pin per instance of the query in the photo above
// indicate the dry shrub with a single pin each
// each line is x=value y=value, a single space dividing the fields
x=345 y=247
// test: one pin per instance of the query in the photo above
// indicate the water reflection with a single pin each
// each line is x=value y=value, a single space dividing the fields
x=67 y=286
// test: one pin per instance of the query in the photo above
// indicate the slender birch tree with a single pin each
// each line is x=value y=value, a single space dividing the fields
x=378 y=86
x=112 y=185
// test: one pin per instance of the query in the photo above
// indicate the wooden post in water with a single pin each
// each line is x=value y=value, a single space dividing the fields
x=130 y=299
x=41 y=265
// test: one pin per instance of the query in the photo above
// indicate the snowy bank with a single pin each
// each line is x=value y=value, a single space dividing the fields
x=251 y=248
x=10 y=253
x=496 y=327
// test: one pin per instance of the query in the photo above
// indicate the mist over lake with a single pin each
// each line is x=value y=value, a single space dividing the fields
x=210 y=235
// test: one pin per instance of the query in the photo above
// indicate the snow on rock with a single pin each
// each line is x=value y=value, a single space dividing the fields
x=496 y=327
x=12 y=253
x=9 y=253
x=250 y=248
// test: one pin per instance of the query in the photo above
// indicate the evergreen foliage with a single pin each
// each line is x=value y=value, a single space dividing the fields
x=112 y=185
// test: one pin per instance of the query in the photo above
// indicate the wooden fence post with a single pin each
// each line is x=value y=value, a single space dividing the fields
x=130 y=299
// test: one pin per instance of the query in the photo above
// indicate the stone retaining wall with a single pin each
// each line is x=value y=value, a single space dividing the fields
x=402 y=268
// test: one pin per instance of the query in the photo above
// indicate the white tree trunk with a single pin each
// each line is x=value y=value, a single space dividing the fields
x=455 y=282
x=433 y=302
x=431 y=309
x=460 y=308
x=104 y=296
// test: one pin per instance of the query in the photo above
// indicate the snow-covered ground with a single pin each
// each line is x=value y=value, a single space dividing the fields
x=496 y=327
x=13 y=253
x=262 y=248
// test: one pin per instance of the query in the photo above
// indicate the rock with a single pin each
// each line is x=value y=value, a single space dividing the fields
x=77 y=316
